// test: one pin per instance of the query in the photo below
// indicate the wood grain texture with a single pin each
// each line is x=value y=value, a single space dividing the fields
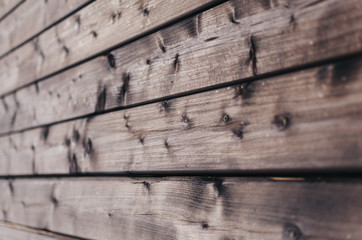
x=186 y=208
x=93 y=29
x=10 y=231
x=200 y=52
x=307 y=120
x=32 y=17
x=8 y=5
x=7 y=233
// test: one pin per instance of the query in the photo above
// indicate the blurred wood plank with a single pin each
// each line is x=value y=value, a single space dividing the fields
x=6 y=6
x=31 y=18
x=305 y=120
x=10 y=231
x=186 y=208
x=7 y=233
x=218 y=53
x=95 y=28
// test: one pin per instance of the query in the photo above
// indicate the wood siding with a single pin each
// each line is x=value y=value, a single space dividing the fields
x=156 y=119
x=186 y=208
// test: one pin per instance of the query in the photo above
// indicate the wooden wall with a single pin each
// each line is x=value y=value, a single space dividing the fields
x=157 y=119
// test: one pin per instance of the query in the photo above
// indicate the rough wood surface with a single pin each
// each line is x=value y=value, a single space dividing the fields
x=8 y=5
x=99 y=26
x=201 y=51
x=31 y=18
x=186 y=208
x=9 y=231
x=307 y=120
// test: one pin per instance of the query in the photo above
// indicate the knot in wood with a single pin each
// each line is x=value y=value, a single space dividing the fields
x=291 y=232
x=185 y=118
x=282 y=121
x=88 y=146
x=111 y=60
x=225 y=118
x=241 y=90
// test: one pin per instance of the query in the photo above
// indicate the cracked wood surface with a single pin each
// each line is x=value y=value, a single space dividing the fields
x=95 y=28
x=32 y=17
x=186 y=208
x=305 y=120
x=201 y=51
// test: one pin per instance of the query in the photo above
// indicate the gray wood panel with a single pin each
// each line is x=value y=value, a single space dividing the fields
x=186 y=208
x=8 y=5
x=218 y=53
x=95 y=28
x=9 y=231
x=32 y=17
x=306 y=120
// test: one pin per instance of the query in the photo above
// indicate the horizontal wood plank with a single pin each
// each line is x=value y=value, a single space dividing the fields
x=186 y=208
x=9 y=231
x=32 y=17
x=6 y=6
x=95 y=28
x=307 y=120
x=16 y=234
x=219 y=52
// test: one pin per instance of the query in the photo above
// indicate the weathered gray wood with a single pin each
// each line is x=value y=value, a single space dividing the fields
x=10 y=231
x=32 y=17
x=307 y=120
x=8 y=5
x=7 y=233
x=186 y=208
x=93 y=29
x=218 y=52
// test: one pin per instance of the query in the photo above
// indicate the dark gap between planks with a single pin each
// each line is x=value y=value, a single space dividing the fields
x=45 y=232
x=11 y=10
x=327 y=174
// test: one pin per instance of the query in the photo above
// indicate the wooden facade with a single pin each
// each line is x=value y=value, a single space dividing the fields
x=183 y=119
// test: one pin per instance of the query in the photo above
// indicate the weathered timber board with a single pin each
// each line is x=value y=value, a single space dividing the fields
x=186 y=208
x=218 y=52
x=8 y=5
x=15 y=232
x=305 y=120
x=95 y=28
x=31 y=18
x=7 y=233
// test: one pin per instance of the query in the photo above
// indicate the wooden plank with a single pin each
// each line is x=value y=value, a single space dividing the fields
x=306 y=120
x=31 y=18
x=186 y=208
x=93 y=29
x=220 y=53
x=6 y=6
x=17 y=232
